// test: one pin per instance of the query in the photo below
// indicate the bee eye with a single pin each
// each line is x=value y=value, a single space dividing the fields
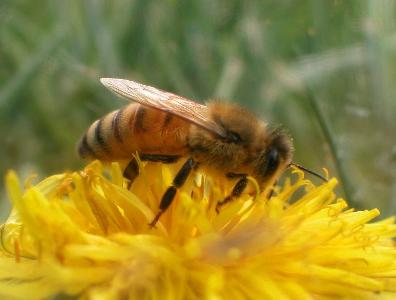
x=233 y=137
x=272 y=162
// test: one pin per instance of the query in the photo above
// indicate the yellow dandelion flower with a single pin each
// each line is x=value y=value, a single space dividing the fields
x=83 y=234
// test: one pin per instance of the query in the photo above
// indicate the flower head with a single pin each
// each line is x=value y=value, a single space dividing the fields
x=85 y=234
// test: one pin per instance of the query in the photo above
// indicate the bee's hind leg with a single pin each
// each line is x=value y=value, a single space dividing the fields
x=132 y=169
x=170 y=193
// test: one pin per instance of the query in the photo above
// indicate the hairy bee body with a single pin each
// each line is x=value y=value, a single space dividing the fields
x=134 y=128
x=163 y=127
x=144 y=130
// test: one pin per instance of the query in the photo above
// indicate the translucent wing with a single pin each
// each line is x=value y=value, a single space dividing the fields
x=146 y=95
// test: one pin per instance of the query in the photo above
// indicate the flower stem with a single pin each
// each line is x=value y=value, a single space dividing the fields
x=338 y=160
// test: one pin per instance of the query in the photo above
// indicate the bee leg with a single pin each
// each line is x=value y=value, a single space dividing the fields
x=236 y=192
x=170 y=193
x=235 y=175
x=165 y=159
x=272 y=190
x=132 y=169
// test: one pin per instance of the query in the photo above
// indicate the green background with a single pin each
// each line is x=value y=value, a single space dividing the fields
x=323 y=69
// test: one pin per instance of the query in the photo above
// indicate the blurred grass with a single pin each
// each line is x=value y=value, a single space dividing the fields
x=265 y=55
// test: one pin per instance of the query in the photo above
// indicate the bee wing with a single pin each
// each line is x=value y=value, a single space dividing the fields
x=149 y=96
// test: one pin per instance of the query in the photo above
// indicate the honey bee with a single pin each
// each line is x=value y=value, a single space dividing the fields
x=164 y=127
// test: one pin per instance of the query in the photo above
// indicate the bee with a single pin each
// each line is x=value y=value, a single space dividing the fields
x=164 y=127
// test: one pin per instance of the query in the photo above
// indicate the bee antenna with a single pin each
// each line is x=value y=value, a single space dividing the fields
x=308 y=171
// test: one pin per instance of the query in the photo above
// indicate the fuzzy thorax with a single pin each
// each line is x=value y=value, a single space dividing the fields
x=247 y=148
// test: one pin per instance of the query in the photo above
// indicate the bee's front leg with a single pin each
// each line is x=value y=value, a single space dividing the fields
x=170 y=193
x=236 y=191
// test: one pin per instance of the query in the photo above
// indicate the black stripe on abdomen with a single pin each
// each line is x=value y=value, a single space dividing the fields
x=84 y=149
x=115 y=124
x=167 y=120
x=99 y=138
x=139 y=119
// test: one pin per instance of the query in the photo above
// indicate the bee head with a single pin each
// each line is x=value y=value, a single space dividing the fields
x=276 y=156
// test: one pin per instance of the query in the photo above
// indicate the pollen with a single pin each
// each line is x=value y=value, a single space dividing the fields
x=84 y=234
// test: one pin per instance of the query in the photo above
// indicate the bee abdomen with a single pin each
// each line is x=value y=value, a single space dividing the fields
x=115 y=124
x=84 y=149
x=100 y=137
x=98 y=141
x=134 y=128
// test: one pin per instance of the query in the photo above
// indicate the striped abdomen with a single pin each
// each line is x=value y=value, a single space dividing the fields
x=134 y=128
